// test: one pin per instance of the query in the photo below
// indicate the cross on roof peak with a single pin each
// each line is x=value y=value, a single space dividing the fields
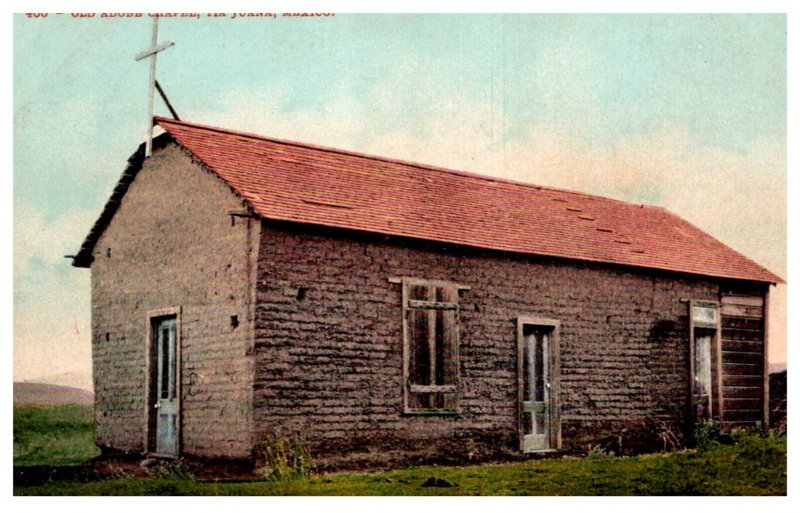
x=151 y=53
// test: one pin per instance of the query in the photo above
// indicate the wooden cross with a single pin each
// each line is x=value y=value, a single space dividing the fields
x=151 y=52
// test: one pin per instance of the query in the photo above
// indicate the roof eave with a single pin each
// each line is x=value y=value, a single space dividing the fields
x=84 y=257
x=768 y=277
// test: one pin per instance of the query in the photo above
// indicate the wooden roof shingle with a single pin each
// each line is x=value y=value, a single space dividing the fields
x=289 y=181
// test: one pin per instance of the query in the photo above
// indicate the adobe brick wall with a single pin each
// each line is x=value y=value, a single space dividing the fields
x=329 y=365
x=172 y=243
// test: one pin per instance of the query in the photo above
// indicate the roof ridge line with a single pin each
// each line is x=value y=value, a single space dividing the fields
x=466 y=174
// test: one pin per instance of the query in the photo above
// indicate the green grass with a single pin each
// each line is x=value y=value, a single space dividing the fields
x=755 y=465
x=53 y=435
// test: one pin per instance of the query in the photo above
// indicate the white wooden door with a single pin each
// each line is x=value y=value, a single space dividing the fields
x=537 y=410
x=166 y=405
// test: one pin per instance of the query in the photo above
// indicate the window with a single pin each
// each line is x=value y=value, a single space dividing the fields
x=430 y=345
x=704 y=314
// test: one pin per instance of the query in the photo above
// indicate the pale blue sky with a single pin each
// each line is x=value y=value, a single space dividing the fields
x=682 y=111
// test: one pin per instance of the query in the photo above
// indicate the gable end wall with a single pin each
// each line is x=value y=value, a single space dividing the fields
x=172 y=244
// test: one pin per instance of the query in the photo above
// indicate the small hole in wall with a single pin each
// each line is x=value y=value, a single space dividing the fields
x=234 y=321
x=108 y=252
x=108 y=336
x=301 y=293
x=476 y=307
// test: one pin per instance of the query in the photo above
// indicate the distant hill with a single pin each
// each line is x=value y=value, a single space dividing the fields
x=28 y=394
x=74 y=379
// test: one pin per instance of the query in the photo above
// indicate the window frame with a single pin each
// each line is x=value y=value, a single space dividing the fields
x=409 y=305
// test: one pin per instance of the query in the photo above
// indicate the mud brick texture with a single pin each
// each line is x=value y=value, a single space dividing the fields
x=294 y=332
x=172 y=244
x=329 y=343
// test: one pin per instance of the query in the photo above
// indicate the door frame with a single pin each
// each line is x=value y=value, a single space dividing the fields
x=716 y=400
x=555 y=378
x=151 y=364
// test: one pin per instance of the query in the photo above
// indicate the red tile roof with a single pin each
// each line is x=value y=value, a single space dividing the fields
x=290 y=181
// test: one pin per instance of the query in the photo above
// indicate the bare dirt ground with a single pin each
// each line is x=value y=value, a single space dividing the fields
x=110 y=467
